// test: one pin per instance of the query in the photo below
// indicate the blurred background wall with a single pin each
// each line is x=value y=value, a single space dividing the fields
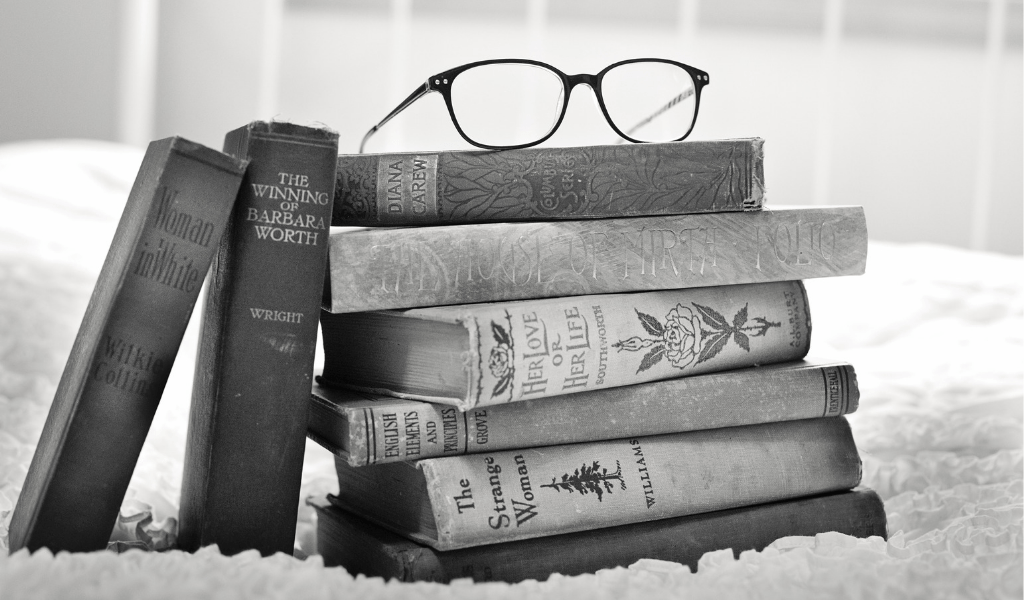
x=912 y=108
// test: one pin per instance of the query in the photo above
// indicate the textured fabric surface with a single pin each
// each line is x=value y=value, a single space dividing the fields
x=935 y=334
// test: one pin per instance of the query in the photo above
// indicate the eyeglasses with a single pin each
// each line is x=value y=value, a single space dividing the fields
x=518 y=103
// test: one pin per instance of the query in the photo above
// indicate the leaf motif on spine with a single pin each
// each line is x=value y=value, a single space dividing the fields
x=687 y=339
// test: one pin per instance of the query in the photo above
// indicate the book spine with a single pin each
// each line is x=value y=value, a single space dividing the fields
x=257 y=344
x=550 y=347
x=426 y=430
x=125 y=347
x=377 y=269
x=365 y=549
x=567 y=345
x=549 y=183
x=504 y=496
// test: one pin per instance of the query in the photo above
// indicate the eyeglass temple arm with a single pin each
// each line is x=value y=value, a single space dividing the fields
x=675 y=100
x=420 y=91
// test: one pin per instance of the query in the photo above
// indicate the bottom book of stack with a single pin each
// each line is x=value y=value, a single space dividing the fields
x=361 y=547
x=575 y=508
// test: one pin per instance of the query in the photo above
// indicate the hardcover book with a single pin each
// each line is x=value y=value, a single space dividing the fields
x=373 y=269
x=477 y=499
x=133 y=325
x=367 y=429
x=362 y=548
x=543 y=184
x=484 y=354
x=250 y=397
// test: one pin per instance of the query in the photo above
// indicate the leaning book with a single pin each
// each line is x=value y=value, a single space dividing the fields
x=254 y=368
x=174 y=218
x=477 y=499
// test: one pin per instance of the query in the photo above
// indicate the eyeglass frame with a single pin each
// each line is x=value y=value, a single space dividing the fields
x=442 y=83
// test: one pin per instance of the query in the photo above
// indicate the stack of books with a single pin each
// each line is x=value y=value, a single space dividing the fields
x=536 y=361
x=560 y=360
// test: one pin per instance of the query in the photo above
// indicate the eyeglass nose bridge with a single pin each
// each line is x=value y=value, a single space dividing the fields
x=594 y=83
x=591 y=81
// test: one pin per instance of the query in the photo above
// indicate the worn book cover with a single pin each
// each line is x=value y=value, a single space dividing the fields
x=366 y=428
x=247 y=425
x=108 y=393
x=477 y=499
x=373 y=269
x=495 y=353
x=618 y=180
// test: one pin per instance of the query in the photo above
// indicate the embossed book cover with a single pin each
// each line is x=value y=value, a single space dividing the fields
x=549 y=183
x=380 y=268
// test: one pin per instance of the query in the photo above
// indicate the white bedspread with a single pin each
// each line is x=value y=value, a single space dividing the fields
x=935 y=334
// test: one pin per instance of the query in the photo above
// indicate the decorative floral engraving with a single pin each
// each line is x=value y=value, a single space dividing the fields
x=355 y=196
x=689 y=338
x=589 y=479
x=612 y=181
x=500 y=360
x=477 y=187
x=556 y=183
x=670 y=181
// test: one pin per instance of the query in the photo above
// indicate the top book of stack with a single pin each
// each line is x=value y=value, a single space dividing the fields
x=544 y=184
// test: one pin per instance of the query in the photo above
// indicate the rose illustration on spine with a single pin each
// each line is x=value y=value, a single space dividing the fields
x=500 y=361
x=687 y=338
x=682 y=336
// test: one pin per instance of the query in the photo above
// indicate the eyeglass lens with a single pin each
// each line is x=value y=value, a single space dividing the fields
x=650 y=101
x=508 y=104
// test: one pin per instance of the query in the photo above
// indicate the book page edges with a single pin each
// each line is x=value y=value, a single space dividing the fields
x=756 y=199
x=852 y=388
x=451 y=315
x=461 y=403
x=438 y=508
